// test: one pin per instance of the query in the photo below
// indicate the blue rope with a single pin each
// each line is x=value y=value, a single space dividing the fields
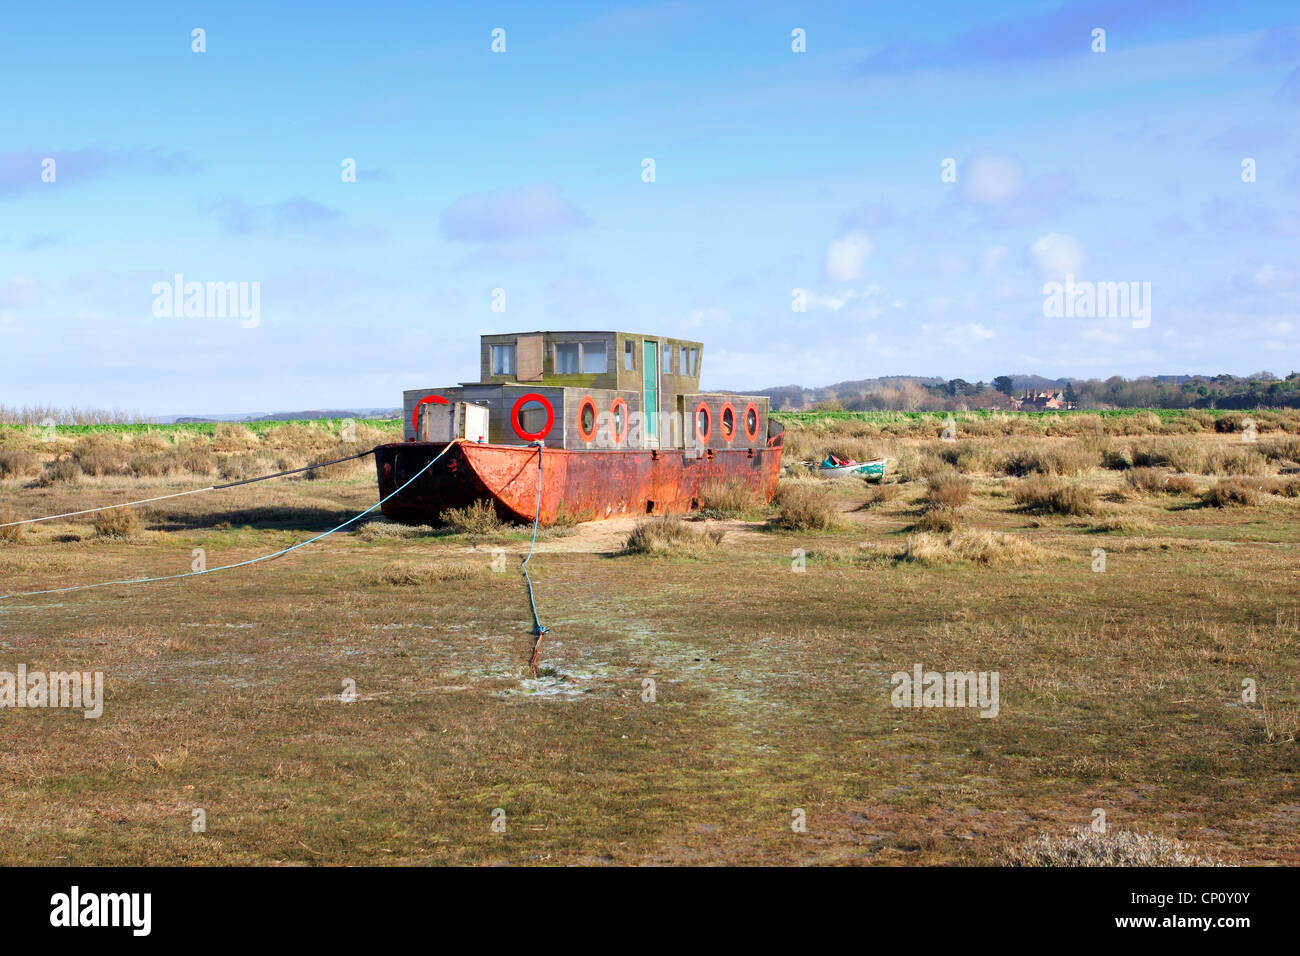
x=241 y=564
x=538 y=627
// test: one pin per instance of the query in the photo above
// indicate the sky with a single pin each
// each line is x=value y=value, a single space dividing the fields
x=896 y=197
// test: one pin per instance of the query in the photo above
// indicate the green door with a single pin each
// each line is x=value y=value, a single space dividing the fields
x=650 y=391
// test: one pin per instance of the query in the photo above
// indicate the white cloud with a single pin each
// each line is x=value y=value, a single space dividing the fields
x=1057 y=254
x=991 y=179
x=846 y=258
x=991 y=259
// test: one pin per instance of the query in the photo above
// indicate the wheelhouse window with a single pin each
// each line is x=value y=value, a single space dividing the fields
x=568 y=357
x=629 y=355
x=693 y=368
x=668 y=359
x=503 y=360
x=594 y=359
x=684 y=367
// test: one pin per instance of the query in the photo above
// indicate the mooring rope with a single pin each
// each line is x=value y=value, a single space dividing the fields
x=241 y=564
x=538 y=627
x=192 y=491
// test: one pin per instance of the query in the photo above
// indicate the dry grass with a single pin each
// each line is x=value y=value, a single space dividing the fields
x=1083 y=847
x=947 y=489
x=805 y=506
x=670 y=535
x=1119 y=690
x=13 y=534
x=1040 y=495
x=1231 y=492
x=478 y=520
x=416 y=574
x=976 y=547
x=731 y=499
x=382 y=529
x=116 y=523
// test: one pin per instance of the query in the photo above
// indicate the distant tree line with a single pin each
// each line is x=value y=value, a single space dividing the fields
x=905 y=393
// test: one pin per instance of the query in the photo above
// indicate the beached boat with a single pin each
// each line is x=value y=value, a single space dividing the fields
x=617 y=419
x=859 y=469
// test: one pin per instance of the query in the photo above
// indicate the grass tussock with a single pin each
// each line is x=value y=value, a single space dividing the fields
x=116 y=523
x=1083 y=847
x=415 y=574
x=805 y=506
x=947 y=489
x=1231 y=493
x=1042 y=495
x=975 y=547
x=1050 y=458
x=479 y=519
x=878 y=495
x=731 y=499
x=15 y=533
x=1281 y=723
x=671 y=535
x=18 y=463
x=383 y=529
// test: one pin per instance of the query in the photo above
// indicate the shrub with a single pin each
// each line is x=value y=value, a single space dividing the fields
x=231 y=437
x=18 y=463
x=62 y=471
x=477 y=519
x=946 y=489
x=1055 y=458
x=805 y=507
x=1286 y=487
x=1233 y=461
x=1280 y=448
x=1229 y=492
x=1044 y=496
x=100 y=456
x=1180 y=484
x=730 y=499
x=881 y=494
x=671 y=535
x=1146 y=480
x=116 y=523
x=936 y=520
x=13 y=534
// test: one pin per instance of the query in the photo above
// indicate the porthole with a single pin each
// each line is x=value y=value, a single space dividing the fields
x=703 y=423
x=532 y=416
x=728 y=422
x=587 y=418
x=751 y=421
x=618 y=421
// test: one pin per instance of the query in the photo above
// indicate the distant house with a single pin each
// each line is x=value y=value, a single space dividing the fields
x=1036 y=401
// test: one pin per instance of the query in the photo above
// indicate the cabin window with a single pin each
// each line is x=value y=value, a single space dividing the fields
x=567 y=358
x=629 y=355
x=693 y=368
x=728 y=422
x=751 y=422
x=594 y=360
x=503 y=360
x=683 y=367
x=668 y=359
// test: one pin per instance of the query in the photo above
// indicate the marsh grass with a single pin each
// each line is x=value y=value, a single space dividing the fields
x=805 y=506
x=671 y=536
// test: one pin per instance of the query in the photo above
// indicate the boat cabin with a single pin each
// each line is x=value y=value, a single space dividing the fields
x=587 y=390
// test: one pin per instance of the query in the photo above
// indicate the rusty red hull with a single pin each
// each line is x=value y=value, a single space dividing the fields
x=590 y=485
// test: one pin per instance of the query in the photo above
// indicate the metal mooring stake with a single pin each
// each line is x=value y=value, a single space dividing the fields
x=538 y=627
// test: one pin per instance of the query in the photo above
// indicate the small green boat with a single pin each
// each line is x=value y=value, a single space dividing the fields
x=833 y=468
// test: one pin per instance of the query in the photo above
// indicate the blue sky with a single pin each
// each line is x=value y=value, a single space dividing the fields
x=522 y=171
